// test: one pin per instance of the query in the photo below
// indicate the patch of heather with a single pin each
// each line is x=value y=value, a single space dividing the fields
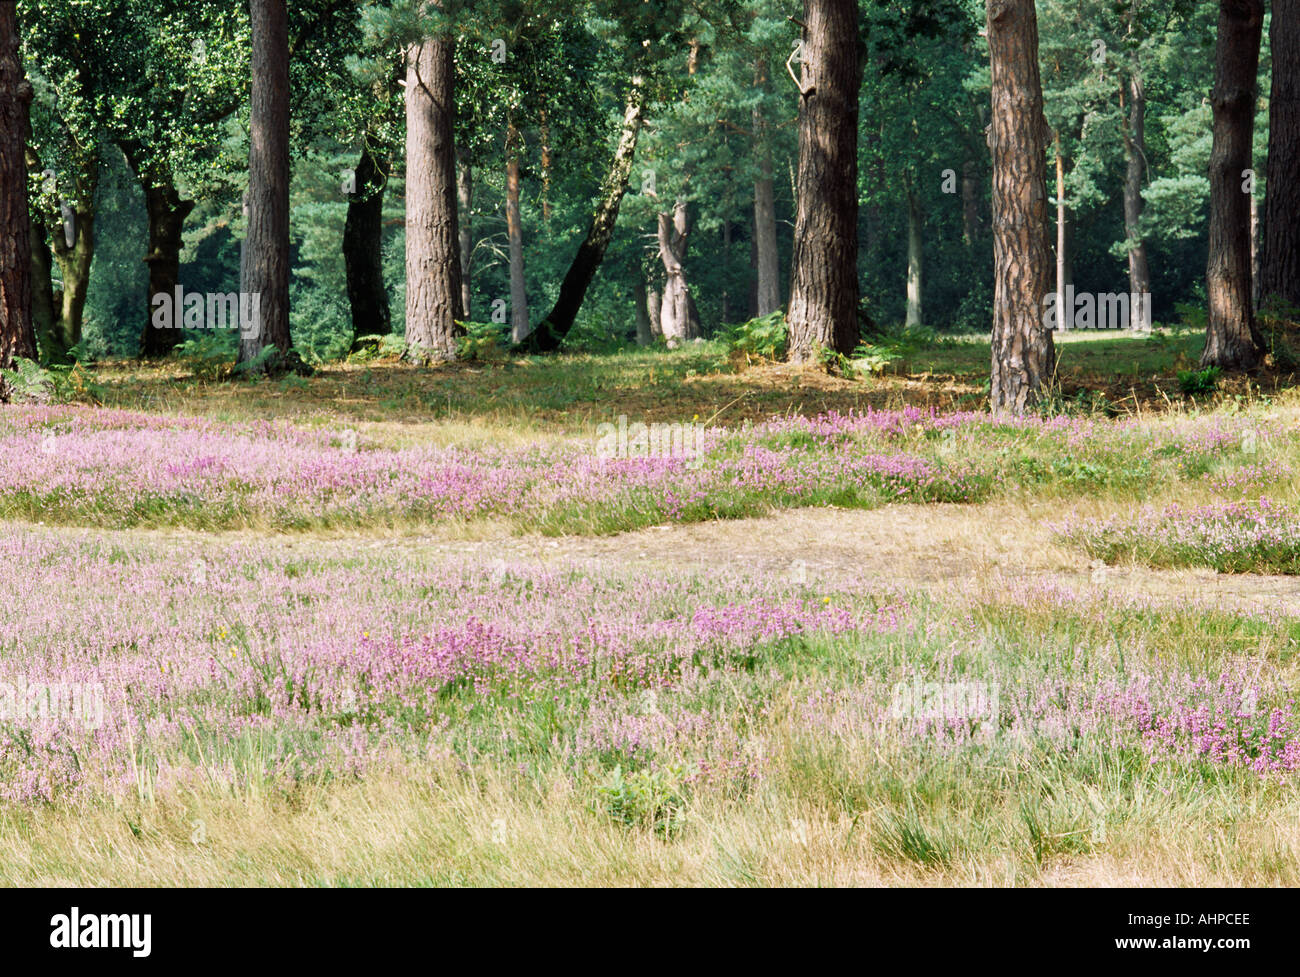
x=110 y=468
x=1176 y=718
x=245 y=660
x=1252 y=479
x=1247 y=536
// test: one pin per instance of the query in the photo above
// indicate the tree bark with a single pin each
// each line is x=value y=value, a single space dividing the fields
x=74 y=261
x=1256 y=259
x=1232 y=340
x=970 y=213
x=363 y=247
x=1024 y=356
x=768 y=258
x=515 y=238
x=640 y=299
x=166 y=212
x=1280 y=257
x=550 y=333
x=824 y=284
x=1139 y=276
x=267 y=243
x=654 y=308
x=915 y=223
x=433 y=272
x=17 y=337
x=465 y=225
x=1062 y=239
x=44 y=318
x=677 y=317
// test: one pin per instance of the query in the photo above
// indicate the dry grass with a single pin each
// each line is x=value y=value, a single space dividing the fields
x=432 y=826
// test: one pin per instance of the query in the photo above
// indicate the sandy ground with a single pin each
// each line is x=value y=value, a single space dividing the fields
x=912 y=546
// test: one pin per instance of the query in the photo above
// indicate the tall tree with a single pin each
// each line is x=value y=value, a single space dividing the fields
x=915 y=255
x=1135 y=163
x=433 y=272
x=73 y=238
x=266 y=271
x=363 y=233
x=16 y=335
x=550 y=333
x=166 y=209
x=678 y=318
x=1280 y=266
x=1024 y=356
x=766 y=256
x=465 y=224
x=824 y=285
x=1232 y=339
x=515 y=235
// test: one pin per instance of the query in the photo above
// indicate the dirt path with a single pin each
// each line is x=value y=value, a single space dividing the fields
x=910 y=545
x=930 y=546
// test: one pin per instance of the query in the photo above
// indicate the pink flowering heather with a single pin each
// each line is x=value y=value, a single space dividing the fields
x=1174 y=719
x=229 y=654
x=1260 y=536
x=87 y=466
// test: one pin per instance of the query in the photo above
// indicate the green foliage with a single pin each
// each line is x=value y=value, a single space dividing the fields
x=1199 y=383
x=483 y=340
x=210 y=355
x=764 y=337
x=893 y=345
x=371 y=348
x=54 y=382
x=646 y=798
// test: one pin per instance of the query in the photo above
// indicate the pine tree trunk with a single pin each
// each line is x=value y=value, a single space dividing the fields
x=1232 y=340
x=465 y=226
x=17 y=337
x=824 y=285
x=1024 y=355
x=1062 y=239
x=1280 y=258
x=433 y=272
x=1256 y=259
x=677 y=317
x=548 y=336
x=515 y=236
x=970 y=214
x=267 y=242
x=363 y=248
x=640 y=299
x=768 y=258
x=654 y=308
x=1139 y=277
x=915 y=222
x=166 y=212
